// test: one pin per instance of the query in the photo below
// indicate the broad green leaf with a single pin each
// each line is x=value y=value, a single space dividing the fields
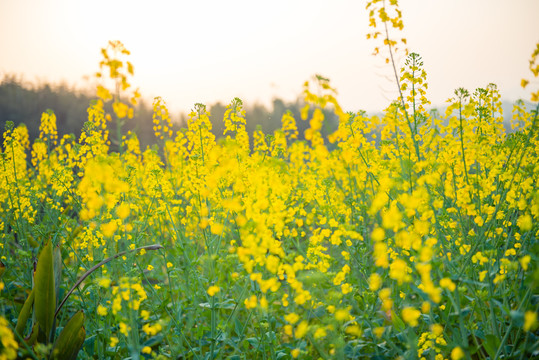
x=517 y=317
x=154 y=340
x=397 y=322
x=45 y=297
x=253 y=342
x=24 y=315
x=32 y=338
x=32 y=242
x=57 y=264
x=70 y=340
x=89 y=345
x=238 y=327
x=491 y=344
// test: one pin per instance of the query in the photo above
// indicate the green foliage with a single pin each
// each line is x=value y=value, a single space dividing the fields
x=42 y=299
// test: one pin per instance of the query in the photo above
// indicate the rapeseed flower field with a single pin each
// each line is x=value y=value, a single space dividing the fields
x=410 y=235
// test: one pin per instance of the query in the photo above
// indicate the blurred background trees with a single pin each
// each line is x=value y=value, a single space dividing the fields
x=22 y=102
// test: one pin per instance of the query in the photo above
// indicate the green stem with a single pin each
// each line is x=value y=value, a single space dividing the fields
x=95 y=267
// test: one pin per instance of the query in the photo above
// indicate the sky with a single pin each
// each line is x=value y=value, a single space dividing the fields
x=206 y=51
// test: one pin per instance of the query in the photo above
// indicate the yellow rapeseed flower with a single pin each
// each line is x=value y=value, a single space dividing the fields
x=320 y=333
x=342 y=315
x=301 y=329
x=375 y=281
x=378 y=234
x=212 y=290
x=354 y=330
x=346 y=288
x=124 y=328
x=379 y=331
x=104 y=282
x=530 y=321
x=250 y=303
x=410 y=315
x=114 y=341
x=446 y=283
x=457 y=353
x=399 y=270
x=437 y=329
x=8 y=342
x=482 y=275
x=525 y=222
x=525 y=261
x=216 y=228
x=108 y=229
x=101 y=310
x=123 y=211
x=292 y=318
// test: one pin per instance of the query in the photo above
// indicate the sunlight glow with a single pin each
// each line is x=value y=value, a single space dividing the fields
x=207 y=51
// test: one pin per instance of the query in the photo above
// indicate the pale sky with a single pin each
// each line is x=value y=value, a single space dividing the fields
x=207 y=51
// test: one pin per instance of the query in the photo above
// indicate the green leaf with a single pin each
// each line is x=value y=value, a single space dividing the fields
x=397 y=322
x=238 y=327
x=45 y=297
x=57 y=264
x=228 y=304
x=24 y=315
x=70 y=340
x=517 y=317
x=491 y=344
x=154 y=340
x=31 y=339
x=253 y=342
x=89 y=345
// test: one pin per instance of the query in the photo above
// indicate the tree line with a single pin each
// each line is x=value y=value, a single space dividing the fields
x=24 y=103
